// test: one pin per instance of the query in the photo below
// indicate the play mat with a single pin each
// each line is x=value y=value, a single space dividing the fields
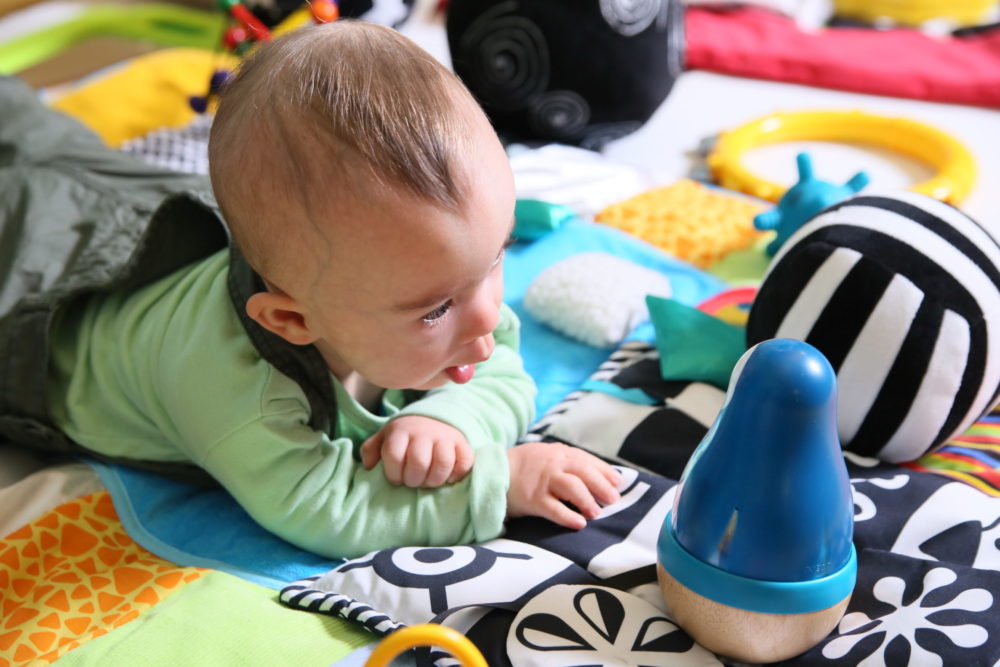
x=107 y=565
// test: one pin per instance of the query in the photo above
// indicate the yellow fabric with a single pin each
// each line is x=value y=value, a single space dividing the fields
x=151 y=91
x=687 y=220
x=72 y=576
x=147 y=93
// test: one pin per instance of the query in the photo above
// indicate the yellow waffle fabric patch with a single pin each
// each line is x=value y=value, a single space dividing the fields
x=687 y=220
x=72 y=576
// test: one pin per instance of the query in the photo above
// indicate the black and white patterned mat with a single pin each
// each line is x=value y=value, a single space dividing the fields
x=928 y=589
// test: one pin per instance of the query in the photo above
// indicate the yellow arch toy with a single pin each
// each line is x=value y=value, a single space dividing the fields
x=954 y=164
x=915 y=12
x=426 y=634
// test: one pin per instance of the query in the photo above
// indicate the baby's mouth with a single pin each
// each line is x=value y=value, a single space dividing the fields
x=460 y=374
x=463 y=373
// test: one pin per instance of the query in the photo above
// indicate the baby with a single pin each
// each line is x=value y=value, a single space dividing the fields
x=347 y=370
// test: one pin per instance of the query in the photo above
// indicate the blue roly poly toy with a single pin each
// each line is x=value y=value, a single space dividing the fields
x=756 y=559
x=803 y=201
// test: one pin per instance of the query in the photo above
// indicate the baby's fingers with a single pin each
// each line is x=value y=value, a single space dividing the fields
x=572 y=489
x=464 y=458
x=394 y=454
x=557 y=512
x=602 y=486
x=441 y=466
x=612 y=474
x=419 y=455
x=587 y=462
x=371 y=451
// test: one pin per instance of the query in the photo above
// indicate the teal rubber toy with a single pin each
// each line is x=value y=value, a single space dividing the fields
x=803 y=201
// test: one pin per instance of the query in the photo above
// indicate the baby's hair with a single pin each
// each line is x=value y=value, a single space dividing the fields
x=323 y=110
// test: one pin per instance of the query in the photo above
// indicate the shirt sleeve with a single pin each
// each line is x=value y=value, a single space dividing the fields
x=309 y=489
x=497 y=405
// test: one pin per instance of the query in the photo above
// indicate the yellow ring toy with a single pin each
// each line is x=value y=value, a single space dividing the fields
x=956 y=168
x=426 y=634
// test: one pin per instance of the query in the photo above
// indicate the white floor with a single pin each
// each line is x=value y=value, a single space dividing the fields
x=703 y=104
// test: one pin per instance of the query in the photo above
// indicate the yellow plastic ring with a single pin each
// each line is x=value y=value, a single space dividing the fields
x=426 y=634
x=956 y=168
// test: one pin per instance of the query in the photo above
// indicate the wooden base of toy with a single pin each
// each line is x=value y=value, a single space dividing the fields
x=747 y=636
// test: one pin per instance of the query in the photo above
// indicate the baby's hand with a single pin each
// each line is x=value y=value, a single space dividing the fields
x=419 y=452
x=543 y=474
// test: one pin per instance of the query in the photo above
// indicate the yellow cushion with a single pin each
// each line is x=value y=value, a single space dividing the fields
x=144 y=94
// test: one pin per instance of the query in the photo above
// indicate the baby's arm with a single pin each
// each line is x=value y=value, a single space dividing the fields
x=419 y=452
x=311 y=491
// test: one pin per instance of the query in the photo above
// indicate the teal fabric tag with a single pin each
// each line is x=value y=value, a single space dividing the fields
x=534 y=219
x=694 y=345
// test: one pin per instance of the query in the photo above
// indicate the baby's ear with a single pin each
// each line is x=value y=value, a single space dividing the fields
x=282 y=315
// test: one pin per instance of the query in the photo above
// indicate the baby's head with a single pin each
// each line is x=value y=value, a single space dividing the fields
x=361 y=180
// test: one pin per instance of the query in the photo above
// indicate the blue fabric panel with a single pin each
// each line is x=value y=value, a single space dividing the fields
x=558 y=363
x=202 y=527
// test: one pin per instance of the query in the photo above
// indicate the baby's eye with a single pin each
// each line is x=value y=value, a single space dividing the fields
x=438 y=312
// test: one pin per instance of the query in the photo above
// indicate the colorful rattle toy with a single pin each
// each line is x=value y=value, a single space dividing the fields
x=803 y=201
x=756 y=560
x=245 y=30
x=954 y=165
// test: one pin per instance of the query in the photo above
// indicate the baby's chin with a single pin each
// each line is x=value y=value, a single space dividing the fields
x=457 y=374
x=439 y=380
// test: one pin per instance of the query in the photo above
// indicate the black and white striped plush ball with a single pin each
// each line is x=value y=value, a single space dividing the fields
x=901 y=292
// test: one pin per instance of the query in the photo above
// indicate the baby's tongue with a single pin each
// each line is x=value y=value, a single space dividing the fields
x=460 y=374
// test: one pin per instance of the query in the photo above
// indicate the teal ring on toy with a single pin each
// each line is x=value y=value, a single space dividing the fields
x=733 y=590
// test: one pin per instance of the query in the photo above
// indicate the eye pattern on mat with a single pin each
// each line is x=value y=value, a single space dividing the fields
x=432 y=568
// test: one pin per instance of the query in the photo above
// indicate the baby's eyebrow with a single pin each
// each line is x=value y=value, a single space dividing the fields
x=426 y=303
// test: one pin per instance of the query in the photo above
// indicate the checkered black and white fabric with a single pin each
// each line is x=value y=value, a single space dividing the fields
x=182 y=149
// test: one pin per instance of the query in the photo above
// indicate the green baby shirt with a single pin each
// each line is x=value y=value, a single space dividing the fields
x=167 y=373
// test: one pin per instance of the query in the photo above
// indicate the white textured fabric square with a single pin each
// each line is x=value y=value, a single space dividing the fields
x=594 y=297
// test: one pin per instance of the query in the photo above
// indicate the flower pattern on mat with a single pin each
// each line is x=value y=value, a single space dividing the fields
x=907 y=619
x=602 y=626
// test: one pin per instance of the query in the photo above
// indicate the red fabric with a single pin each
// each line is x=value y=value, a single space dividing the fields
x=757 y=43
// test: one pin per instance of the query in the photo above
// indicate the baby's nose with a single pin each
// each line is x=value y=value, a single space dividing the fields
x=483 y=316
x=482 y=324
x=483 y=347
